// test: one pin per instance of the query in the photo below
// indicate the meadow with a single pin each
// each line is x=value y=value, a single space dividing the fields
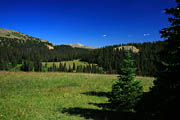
x=68 y=63
x=56 y=96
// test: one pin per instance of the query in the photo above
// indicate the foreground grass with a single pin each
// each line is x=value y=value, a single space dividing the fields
x=44 y=96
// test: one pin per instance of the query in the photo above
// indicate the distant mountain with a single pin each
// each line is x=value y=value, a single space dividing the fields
x=11 y=34
x=78 y=45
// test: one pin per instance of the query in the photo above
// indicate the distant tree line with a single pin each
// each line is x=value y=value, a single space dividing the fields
x=30 y=66
x=30 y=53
x=63 y=67
x=111 y=59
x=14 y=51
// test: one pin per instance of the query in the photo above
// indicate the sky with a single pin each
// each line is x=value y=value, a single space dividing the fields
x=94 y=23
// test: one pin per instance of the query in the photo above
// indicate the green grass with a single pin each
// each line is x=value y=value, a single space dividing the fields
x=44 y=96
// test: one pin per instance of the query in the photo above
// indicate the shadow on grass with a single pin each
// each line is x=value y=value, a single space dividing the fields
x=99 y=94
x=99 y=114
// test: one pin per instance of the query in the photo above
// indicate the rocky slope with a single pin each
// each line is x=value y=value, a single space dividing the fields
x=78 y=45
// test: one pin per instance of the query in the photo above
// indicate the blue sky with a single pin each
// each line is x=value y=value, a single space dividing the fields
x=91 y=22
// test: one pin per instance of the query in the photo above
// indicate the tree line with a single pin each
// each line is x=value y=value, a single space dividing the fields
x=63 y=67
x=30 y=53
x=111 y=59
x=14 y=51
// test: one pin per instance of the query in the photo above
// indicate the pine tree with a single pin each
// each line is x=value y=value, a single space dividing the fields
x=70 y=69
x=37 y=66
x=170 y=56
x=162 y=102
x=126 y=91
x=80 y=68
x=65 y=68
x=54 y=67
x=74 y=66
x=27 y=66
x=94 y=68
x=167 y=85
x=60 y=67
x=46 y=65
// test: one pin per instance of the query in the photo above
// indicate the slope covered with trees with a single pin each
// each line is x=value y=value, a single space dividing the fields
x=17 y=48
x=31 y=52
x=111 y=59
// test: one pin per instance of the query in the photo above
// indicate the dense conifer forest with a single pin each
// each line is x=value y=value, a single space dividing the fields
x=31 y=53
x=111 y=59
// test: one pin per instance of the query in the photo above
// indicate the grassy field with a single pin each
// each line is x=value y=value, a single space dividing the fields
x=77 y=63
x=55 y=96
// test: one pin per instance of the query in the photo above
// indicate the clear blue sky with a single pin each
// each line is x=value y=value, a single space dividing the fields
x=90 y=22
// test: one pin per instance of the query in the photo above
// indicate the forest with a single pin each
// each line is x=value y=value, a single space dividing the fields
x=31 y=53
x=111 y=59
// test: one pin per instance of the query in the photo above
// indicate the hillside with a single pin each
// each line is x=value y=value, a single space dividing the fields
x=78 y=45
x=11 y=34
x=111 y=57
x=19 y=49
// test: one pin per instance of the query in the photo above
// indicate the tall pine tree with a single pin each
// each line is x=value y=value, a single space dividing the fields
x=163 y=100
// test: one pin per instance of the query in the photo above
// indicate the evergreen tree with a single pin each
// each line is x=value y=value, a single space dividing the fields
x=89 y=68
x=54 y=67
x=65 y=68
x=37 y=66
x=27 y=66
x=78 y=69
x=84 y=69
x=74 y=66
x=60 y=67
x=70 y=69
x=46 y=65
x=163 y=100
x=110 y=71
x=94 y=68
x=171 y=53
x=126 y=91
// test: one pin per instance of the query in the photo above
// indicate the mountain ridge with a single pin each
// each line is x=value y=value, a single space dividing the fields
x=7 y=33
